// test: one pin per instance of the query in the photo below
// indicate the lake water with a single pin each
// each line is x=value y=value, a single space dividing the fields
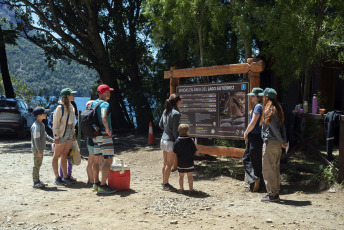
x=81 y=102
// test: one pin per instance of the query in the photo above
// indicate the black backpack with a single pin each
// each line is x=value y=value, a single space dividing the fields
x=89 y=122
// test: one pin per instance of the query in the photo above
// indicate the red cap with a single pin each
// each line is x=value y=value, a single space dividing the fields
x=103 y=88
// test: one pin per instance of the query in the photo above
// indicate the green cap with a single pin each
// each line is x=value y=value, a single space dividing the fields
x=269 y=92
x=255 y=91
x=67 y=91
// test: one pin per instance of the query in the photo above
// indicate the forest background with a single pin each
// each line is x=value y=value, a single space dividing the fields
x=127 y=44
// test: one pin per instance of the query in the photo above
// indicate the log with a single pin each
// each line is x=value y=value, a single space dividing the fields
x=215 y=70
x=220 y=151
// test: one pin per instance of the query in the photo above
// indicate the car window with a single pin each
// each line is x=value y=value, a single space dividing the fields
x=7 y=104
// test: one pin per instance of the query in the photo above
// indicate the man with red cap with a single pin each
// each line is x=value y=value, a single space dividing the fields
x=103 y=144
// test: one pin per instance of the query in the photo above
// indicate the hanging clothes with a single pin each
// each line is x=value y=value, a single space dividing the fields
x=332 y=120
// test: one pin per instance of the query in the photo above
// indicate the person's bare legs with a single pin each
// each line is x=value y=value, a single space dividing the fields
x=95 y=168
x=164 y=163
x=106 y=164
x=169 y=163
x=190 y=180
x=55 y=162
x=181 y=181
x=64 y=156
x=89 y=169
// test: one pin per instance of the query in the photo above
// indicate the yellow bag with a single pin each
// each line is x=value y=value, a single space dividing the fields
x=74 y=156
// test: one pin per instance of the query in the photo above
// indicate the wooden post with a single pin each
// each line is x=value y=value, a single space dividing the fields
x=174 y=82
x=254 y=78
x=341 y=151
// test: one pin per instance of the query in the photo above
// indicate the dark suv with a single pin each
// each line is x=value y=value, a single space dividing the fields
x=15 y=117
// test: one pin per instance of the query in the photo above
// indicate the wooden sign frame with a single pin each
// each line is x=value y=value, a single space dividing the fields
x=253 y=67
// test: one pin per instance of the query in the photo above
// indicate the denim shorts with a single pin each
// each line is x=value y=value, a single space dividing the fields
x=166 y=145
x=68 y=135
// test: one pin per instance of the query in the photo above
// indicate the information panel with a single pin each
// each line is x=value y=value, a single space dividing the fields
x=215 y=110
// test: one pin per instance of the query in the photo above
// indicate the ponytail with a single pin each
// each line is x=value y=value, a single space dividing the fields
x=169 y=103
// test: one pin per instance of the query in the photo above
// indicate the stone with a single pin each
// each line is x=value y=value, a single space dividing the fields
x=174 y=222
x=268 y=221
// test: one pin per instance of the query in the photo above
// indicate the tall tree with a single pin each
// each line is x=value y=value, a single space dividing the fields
x=9 y=37
x=192 y=33
x=295 y=36
x=85 y=31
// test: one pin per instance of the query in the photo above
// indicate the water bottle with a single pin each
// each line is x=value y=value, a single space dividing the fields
x=305 y=106
x=315 y=104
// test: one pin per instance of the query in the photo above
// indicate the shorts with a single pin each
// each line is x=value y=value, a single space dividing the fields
x=103 y=145
x=91 y=149
x=186 y=170
x=68 y=135
x=166 y=145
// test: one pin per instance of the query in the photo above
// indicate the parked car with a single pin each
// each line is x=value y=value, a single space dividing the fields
x=15 y=117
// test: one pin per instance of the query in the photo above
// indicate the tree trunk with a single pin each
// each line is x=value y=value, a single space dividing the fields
x=308 y=77
x=9 y=92
x=118 y=118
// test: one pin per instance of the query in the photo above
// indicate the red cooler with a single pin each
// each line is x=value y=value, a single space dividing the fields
x=119 y=176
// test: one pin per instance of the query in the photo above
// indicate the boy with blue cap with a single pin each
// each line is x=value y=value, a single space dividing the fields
x=38 y=144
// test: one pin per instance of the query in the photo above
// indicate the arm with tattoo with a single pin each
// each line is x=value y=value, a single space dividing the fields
x=104 y=114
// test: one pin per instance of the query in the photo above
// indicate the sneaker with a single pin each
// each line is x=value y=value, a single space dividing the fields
x=38 y=184
x=68 y=180
x=165 y=187
x=269 y=198
x=95 y=186
x=105 y=189
x=256 y=185
x=59 y=181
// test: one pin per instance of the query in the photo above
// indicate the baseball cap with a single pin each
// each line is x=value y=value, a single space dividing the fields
x=67 y=91
x=39 y=110
x=103 y=88
x=269 y=92
x=255 y=91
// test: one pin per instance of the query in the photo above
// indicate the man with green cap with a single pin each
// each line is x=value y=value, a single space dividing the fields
x=252 y=159
x=274 y=138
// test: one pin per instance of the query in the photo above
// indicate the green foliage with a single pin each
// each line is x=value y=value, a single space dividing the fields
x=328 y=174
x=23 y=91
x=27 y=62
x=227 y=143
x=295 y=38
x=182 y=30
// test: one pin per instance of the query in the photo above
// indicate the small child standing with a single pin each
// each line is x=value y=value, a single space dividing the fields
x=185 y=149
x=38 y=144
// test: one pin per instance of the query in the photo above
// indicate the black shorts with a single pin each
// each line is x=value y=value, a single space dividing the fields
x=186 y=170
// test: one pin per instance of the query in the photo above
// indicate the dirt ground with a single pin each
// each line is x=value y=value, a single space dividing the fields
x=223 y=201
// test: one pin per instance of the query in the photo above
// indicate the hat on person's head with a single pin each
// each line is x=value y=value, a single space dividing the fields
x=269 y=92
x=255 y=91
x=39 y=110
x=67 y=91
x=103 y=88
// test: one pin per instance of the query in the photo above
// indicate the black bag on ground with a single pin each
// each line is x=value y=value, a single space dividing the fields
x=89 y=121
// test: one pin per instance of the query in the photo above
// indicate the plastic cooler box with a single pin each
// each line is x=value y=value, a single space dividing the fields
x=119 y=176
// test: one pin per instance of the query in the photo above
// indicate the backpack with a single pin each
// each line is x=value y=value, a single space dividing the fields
x=51 y=122
x=89 y=122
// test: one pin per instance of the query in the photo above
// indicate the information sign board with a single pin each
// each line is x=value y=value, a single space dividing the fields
x=215 y=110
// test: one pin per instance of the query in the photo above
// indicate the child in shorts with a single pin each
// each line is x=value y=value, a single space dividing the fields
x=185 y=149
x=38 y=144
